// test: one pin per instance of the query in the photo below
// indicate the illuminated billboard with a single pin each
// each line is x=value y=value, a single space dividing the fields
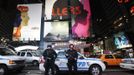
x=121 y=41
x=81 y=22
x=56 y=31
x=76 y=10
x=27 y=22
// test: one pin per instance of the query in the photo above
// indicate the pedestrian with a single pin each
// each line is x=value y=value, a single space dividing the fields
x=72 y=56
x=49 y=56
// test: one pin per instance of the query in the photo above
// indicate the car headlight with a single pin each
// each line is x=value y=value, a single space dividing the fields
x=11 y=62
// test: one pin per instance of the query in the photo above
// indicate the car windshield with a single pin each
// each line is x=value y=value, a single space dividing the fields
x=61 y=55
x=7 y=51
x=35 y=54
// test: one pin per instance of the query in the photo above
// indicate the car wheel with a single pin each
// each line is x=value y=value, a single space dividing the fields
x=95 y=70
x=35 y=63
x=3 y=70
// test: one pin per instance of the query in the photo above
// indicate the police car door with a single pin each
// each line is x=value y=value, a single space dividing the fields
x=82 y=63
x=61 y=61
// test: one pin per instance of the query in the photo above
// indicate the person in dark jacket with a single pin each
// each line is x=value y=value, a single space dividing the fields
x=49 y=56
x=72 y=56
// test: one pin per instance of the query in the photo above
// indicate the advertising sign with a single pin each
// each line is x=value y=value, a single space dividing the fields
x=27 y=22
x=121 y=41
x=76 y=10
x=81 y=22
x=56 y=31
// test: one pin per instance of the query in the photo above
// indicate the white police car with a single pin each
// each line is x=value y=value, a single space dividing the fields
x=10 y=61
x=127 y=63
x=93 y=65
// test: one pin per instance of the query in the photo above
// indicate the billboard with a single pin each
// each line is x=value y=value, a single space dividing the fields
x=81 y=22
x=56 y=31
x=27 y=22
x=121 y=41
x=76 y=10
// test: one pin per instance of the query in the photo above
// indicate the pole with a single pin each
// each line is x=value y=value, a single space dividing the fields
x=41 y=46
x=69 y=18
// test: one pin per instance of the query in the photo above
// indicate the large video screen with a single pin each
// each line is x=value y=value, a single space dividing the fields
x=121 y=41
x=27 y=22
x=56 y=31
x=81 y=21
x=76 y=10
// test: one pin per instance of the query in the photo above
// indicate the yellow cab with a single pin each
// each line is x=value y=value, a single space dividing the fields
x=111 y=59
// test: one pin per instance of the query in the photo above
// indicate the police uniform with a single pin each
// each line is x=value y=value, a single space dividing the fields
x=49 y=56
x=72 y=56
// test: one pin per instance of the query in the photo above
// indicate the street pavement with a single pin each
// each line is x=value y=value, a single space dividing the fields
x=30 y=70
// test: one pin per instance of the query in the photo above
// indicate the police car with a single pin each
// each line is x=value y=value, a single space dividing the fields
x=94 y=66
x=10 y=61
x=127 y=63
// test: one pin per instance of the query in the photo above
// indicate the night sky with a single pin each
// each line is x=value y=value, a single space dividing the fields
x=7 y=15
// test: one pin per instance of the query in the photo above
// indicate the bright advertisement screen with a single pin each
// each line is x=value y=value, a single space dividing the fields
x=27 y=22
x=79 y=12
x=56 y=31
x=81 y=22
x=121 y=41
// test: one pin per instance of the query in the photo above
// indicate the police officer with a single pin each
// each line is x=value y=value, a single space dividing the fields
x=49 y=56
x=72 y=56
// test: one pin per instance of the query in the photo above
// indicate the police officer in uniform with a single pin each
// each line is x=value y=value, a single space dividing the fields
x=49 y=57
x=72 y=56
